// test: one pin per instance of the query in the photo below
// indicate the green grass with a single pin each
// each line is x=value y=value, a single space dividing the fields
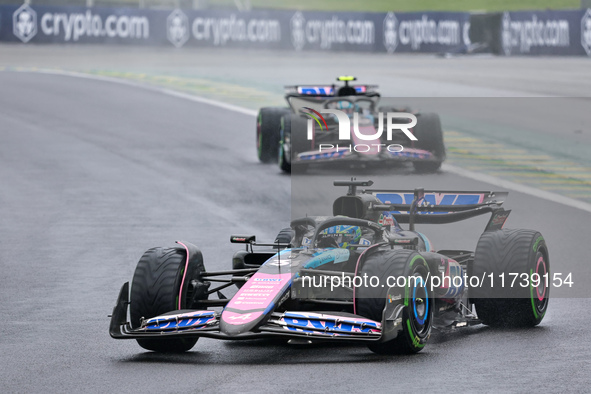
x=417 y=5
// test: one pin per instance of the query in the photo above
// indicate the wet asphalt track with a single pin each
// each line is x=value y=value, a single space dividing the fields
x=94 y=173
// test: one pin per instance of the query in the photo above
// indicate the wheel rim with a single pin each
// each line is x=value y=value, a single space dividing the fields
x=420 y=316
x=541 y=271
x=539 y=296
x=286 y=142
x=281 y=153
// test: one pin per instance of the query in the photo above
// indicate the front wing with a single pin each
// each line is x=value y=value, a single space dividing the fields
x=344 y=155
x=309 y=325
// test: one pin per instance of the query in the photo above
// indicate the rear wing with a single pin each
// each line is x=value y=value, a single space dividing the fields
x=421 y=206
x=327 y=90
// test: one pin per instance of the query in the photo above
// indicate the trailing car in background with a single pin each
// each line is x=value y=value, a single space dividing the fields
x=299 y=135
x=289 y=288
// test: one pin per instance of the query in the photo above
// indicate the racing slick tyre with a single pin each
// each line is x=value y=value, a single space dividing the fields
x=293 y=141
x=430 y=138
x=156 y=288
x=268 y=125
x=502 y=256
x=417 y=316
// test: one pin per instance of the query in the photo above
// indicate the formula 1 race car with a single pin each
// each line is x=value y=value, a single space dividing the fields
x=343 y=124
x=354 y=276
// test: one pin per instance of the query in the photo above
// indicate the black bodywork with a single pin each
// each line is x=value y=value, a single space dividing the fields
x=296 y=311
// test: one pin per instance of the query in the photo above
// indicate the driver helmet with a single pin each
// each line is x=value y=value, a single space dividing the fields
x=347 y=107
x=341 y=236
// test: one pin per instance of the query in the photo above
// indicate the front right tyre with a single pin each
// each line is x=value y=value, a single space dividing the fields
x=160 y=286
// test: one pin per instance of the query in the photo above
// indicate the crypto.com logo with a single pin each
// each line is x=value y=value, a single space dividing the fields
x=390 y=32
x=177 y=28
x=586 y=32
x=345 y=127
x=24 y=23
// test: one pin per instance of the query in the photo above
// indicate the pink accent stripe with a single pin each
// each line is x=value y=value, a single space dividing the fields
x=330 y=150
x=258 y=293
x=356 y=268
x=184 y=273
x=418 y=151
x=235 y=318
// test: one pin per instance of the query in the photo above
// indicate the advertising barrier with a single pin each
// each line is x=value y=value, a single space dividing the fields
x=289 y=30
x=515 y=33
x=47 y=24
x=425 y=31
x=565 y=32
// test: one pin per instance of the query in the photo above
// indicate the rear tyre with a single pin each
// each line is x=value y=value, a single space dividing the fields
x=155 y=291
x=293 y=141
x=267 y=137
x=506 y=253
x=430 y=138
x=417 y=317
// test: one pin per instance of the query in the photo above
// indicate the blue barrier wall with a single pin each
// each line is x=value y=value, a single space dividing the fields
x=546 y=32
x=521 y=33
x=330 y=31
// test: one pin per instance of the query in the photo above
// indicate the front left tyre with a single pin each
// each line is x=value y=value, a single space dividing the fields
x=417 y=316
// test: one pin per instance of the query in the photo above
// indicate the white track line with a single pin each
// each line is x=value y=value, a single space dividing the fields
x=157 y=89
x=532 y=191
